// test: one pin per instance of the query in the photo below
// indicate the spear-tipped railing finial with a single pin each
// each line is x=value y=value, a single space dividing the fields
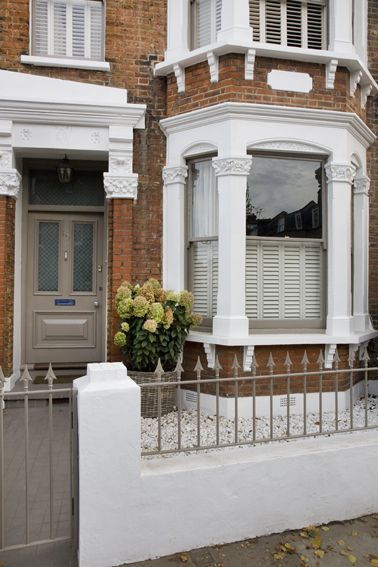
x=50 y=376
x=235 y=366
x=159 y=370
x=271 y=364
x=26 y=378
x=320 y=361
x=288 y=363
x=305 y=361
x=198 y=368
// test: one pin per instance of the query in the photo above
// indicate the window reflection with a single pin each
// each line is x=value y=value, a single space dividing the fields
x=284 y=198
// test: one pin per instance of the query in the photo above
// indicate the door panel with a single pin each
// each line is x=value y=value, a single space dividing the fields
x=64 y=298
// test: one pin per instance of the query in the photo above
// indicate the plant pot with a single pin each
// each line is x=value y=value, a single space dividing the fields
x=150 y=396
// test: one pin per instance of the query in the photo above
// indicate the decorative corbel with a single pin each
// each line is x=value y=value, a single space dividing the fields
x=355 y=78
x=250 y=57
x=248 y=352
x=210 y=354
x=365 y=92
x=213 y=61
x=331 y=69
x=330 y=351
x=180 y=77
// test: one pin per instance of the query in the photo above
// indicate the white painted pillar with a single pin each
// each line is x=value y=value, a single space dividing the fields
x=232 y=173
x=340 y=26
x=108 y=405
x=235 y=22
x=178 y=29
x=174 y=252
x=340 y=178
x=361 y=254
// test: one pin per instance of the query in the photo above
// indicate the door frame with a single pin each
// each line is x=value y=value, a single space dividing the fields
x=22 y=226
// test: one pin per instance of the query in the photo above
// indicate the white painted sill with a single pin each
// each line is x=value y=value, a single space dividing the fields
x=349 y=60
x=309 y=337
x=65 y=62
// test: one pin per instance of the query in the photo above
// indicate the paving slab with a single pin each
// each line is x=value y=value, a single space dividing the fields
x=338 y=544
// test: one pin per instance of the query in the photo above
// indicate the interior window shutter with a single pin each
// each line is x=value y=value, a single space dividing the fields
x=273 y=21
x=218 y=16
x=201 y=277
x=59 y=29
x=78 y=31
x=294 y=23
x=254 y=18
x=96 y=27
x=292 y=282
x=203 y=22
x=313 y=275
x=271 y=293
x=40 y=27
x=316 y=26
x=252 y=280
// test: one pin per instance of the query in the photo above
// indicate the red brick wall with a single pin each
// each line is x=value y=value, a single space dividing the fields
x=7 y=220
x=226 y=358
x=232 y=86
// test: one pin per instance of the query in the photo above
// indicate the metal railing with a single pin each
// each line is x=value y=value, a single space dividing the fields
x=30 y=457
x=260 y=405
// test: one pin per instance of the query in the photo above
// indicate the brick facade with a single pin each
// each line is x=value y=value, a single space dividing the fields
x=7 y=222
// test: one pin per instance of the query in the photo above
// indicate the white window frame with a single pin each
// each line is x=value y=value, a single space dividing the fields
x=40 y=59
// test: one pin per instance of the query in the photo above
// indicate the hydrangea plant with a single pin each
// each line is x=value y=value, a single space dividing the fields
x=154 y=324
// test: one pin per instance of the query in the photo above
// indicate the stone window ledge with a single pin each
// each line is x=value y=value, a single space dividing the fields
x=211 y=53
x=65 y=62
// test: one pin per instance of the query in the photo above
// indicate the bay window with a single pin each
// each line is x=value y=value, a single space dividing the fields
x=285 y=240
x=68 y=28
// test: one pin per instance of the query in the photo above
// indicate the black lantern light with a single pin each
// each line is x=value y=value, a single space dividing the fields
x=64 y=170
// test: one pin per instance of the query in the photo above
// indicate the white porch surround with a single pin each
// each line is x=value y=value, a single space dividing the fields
x=174 y=232
x=230 y=130
x=43 y=117
x=232 y=173
x=340 y=178
x=361 y=316
x=235 y=36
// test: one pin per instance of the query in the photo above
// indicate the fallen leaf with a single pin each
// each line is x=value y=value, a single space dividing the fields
x=354 y=534
x=289 y=548
x=319 y=553
x=304 y=534
x=325 y=529
x=184 y=558
x=340 y=542
x=304 y=559
x=352 y=559
x=278 y=556
x=316 y=542
x=349 y=548
x=373 y=561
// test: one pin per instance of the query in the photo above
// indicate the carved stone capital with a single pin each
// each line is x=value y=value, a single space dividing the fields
x=175 y=174
x=121 y=186
x=361 y=185
x=340 y=172
x=10 y=183
x=232 y=166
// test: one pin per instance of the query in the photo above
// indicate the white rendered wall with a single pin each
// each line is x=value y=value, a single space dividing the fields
x=133 y=509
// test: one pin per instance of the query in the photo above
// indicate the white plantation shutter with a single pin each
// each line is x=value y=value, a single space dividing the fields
x=208 y=21
x=40 y=26
x=204 y=276
x=296 y=23
x=68 y=28
x=284 y=280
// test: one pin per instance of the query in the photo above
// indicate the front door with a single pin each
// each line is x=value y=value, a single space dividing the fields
x=64 y=289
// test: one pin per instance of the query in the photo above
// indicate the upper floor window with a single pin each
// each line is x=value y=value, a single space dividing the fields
x=293 y=23
x=68 y=28
x=206 y=18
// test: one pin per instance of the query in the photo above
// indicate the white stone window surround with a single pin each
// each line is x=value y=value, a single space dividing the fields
x=236 y=36
x=64 y=62
x=231 y=130
x=45 y=117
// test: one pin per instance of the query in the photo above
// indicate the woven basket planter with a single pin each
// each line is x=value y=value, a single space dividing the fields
x=150 y=396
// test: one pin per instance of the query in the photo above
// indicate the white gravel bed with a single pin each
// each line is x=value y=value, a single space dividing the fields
x=169 y=430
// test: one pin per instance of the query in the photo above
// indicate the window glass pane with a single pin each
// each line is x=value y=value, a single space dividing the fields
x=204 y=200
x=284 y=198
x=48 y=256
x=85 y=189
x=83 y=257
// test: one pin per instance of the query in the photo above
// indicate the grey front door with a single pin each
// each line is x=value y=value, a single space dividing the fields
x=64 y=289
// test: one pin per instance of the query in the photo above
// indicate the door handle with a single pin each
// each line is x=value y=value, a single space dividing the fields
x=96 y=304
